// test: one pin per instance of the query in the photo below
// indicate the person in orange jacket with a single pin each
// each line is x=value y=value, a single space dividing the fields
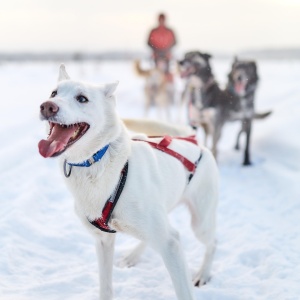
x=161 y=40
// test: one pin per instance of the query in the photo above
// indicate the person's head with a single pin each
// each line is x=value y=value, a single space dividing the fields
x=161 y=19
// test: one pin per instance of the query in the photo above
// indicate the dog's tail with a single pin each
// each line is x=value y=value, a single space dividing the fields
x=157 y=128
x=263 y=115
x=139 y=70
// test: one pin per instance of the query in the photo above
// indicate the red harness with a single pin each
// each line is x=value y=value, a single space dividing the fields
x=166 y=141
x=102 y=222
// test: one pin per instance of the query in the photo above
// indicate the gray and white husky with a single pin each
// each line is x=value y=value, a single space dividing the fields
x=83 y=120
x=211 y=107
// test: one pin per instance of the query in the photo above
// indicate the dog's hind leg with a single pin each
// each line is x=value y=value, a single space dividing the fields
x=237 y=144
x=202 y=199
x=206 y=132
x=206 y=234
x=105 y=251
x=248 y=126
x=133 y=257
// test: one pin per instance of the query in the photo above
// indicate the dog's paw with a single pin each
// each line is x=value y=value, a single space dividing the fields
x=201 y=280
x=247 y=163
x=128 y=261
x=133 y=257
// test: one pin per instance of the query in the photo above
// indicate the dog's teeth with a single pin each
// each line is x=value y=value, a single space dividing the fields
x=75 y=133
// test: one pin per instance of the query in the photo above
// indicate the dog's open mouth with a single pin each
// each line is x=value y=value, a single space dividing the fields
x=61 y=137
x=186 y=71
x=240 y=87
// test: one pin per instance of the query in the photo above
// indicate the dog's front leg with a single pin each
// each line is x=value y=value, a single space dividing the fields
x=170 y=249
x=105 y=251
x=216 y=137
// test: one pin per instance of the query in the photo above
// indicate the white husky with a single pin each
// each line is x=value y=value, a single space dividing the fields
x=83 y=120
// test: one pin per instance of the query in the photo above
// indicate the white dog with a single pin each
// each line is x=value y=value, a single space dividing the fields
x=129 y=186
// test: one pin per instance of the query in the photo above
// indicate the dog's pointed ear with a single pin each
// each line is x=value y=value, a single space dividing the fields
x=235 y=61
x=110 y=88
x=63 y=75
x=207 y=56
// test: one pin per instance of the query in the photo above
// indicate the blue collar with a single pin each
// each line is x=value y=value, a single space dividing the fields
x=96 y=157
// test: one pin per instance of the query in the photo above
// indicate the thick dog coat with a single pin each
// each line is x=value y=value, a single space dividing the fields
x=83 y=120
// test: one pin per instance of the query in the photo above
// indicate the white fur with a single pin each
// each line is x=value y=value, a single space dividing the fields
x=156 y=128
x=156 y=183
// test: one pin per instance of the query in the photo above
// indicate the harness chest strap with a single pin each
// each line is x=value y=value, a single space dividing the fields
x=102 y=222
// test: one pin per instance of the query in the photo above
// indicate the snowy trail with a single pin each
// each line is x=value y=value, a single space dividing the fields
x=47 y=254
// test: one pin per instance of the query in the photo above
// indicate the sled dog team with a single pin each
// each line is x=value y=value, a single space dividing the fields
x=208 y=106
x=125 y=183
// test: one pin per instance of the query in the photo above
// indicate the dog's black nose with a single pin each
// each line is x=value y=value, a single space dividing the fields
x=49 y=109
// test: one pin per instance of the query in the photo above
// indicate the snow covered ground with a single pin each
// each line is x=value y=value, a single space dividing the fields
x=47 y=254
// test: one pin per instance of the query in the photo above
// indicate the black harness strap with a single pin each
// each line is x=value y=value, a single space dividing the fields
x=196 y=165
x=102 y=222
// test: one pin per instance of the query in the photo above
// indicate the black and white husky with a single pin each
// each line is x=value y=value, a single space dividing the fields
x=103 y=164
x=211 y=107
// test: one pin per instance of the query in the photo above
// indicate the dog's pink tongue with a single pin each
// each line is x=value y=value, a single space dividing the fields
x=239 y=87
x=57 y=140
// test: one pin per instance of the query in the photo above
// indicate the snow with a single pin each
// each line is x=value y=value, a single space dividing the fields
x=47 y=254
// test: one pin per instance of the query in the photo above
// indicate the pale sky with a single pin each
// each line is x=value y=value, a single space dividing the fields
x=98 y=25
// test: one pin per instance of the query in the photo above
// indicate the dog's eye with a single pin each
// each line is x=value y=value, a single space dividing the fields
x=53 y=94
x=82 y=99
